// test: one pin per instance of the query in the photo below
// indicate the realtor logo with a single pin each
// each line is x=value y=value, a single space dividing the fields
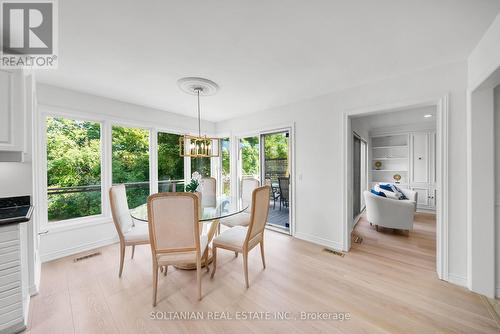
x=29 y=36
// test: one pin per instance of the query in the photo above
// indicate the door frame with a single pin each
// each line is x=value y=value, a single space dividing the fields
x=442 y=106
x=261 y=161
x=290 y=127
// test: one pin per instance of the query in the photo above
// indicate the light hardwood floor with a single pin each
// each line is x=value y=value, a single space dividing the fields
x=387 y=283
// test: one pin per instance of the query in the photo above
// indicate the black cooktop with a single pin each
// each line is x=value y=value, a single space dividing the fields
x=15 y=210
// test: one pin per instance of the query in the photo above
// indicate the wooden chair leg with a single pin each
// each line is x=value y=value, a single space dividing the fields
x=198 y=277
x=133 y=251
x=165 y=270
x=205 y=260
x=122 y=257
x=214 y=261
x=245 y=267
x=262 y=253
x=155 y=282
x=235 y=254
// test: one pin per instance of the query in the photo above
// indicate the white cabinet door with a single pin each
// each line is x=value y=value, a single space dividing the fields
x=420 y=157
x=12 y=111
x=5 y=108
x=423 y=199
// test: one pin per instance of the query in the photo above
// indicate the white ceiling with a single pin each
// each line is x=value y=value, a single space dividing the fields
x=261 y=53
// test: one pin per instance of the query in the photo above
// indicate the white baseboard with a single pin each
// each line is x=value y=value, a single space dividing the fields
x=319 y=241
x=74 y=250
x=457 y=279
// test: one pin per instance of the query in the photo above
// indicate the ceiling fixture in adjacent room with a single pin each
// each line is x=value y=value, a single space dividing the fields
x=198 y=146
x=428 y=116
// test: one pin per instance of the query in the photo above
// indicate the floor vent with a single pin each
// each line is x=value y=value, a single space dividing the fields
x=87 y=256
x=334 y=252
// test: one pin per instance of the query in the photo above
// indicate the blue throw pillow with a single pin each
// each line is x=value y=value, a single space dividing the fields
x=387 y=187
x=378 y=193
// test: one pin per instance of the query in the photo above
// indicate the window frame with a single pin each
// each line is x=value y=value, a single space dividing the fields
x=106 y=122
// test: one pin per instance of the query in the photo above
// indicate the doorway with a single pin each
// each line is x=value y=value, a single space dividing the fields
x=440 y=192
x=275 y=172
x=268 y=157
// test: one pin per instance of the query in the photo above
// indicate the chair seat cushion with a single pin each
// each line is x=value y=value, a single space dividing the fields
x=234 y=237
x=138 y=233
x=184 y=257
x=241 y=219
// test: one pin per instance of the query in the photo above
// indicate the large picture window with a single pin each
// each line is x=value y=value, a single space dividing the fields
x=130 y=162
x=73 y=168
x=170 y=163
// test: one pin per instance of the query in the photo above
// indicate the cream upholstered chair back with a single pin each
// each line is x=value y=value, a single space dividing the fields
x=260 y=211
x=173 y=222
x=248 y=185
x=119 y=209
x=208 y=192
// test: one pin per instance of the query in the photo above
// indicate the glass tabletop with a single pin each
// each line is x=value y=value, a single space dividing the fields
x=224 y=207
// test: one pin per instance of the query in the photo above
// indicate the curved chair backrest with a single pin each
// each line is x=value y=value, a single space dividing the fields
x=284 y=183
x=260 y=211
x=173 y=222
x=119 y=209
x=208 y=192
x=247 y=187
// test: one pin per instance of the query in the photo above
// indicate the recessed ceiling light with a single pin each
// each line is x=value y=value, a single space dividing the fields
x=428 y=115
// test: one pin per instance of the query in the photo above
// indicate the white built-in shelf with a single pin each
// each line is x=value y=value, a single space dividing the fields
x=389 y=170
x=405 y=158
x=395 y=146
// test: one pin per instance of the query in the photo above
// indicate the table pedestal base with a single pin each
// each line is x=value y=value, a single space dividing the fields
x=192 y=266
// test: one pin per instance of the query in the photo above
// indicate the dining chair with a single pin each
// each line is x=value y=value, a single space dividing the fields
x=208 y=192
x=248 y=185
x=243 y=239
x=130 y=232
x=174 y=233
x=284 y=184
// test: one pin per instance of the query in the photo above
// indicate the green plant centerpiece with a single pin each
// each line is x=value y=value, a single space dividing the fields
x=193 y=186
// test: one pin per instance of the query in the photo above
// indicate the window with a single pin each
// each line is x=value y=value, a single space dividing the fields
x=170 y=163
x=73 y=168
x=130 y=162
x=250 y=163
x=201 y=165
x=225 y=162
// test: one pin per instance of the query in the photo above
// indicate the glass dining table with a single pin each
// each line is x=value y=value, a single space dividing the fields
x=209 y=219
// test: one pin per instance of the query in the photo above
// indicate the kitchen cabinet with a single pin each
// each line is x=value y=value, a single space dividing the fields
x=16 y=106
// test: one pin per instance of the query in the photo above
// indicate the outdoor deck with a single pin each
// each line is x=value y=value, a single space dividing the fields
x=278 y=217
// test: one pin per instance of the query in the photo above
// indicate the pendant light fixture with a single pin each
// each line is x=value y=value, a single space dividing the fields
x=198 y=146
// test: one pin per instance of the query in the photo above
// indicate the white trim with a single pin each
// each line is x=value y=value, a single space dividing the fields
x=74 y=250
x=442 y=103
x=457 y=279
x=319 y=241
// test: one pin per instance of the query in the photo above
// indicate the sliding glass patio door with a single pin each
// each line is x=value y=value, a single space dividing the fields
x=275 y=172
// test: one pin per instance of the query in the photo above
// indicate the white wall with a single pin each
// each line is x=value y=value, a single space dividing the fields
x=497 y=186
x=71 y=239
x=15 y=179
x=318 y=124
